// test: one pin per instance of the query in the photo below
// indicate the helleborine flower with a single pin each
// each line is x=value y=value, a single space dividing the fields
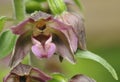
x=42 y=35
x=76 y=32
x=26 y=73
x=81 y=78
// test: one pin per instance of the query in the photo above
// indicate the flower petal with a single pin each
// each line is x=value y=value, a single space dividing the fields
x=20 y=28
x=38 y=50
x=8 y=78
x=40 y=15
x=38 y=75
x=27 y=73
x=75 y=20
x=43 y=50
x=67 y=30
x=72 y=38
x=54 y=23
x=63 y=47
x=80 y=30
x=18 y=71
x=22 y=48
x=21 y=70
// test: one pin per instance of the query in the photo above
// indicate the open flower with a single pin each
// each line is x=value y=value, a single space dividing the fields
x=76 y=32
x=26 y=73
x=42 y=35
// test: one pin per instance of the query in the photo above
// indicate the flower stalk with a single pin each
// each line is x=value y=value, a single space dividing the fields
x=19 y=10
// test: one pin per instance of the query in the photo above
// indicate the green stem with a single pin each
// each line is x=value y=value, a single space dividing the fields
x=19 y=10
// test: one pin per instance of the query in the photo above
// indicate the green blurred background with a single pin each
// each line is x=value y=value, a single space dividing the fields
x=102 y=21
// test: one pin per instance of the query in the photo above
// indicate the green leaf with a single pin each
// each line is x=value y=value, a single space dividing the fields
x=7 y=42
x=2 y=22
x=89 y=55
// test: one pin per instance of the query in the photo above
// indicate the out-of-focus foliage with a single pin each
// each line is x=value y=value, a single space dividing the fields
x=35 y=5
x=7 y=42
x=2 y=22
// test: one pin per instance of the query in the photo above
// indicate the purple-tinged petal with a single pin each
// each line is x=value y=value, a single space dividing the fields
x=20 y=28
x=38 y=50
x=81 y=78
x=62 y=43
x=78 y=27
x=38 y=75
x=76 y=22
x=18 y=71
x=21 y=70
x=40 y=15
x=26 y=73
x=57 y=24
x=43 y=50
x=7 y=78
x=80 y=30
x=72 y=38
x=22 y=48
x=67 y=30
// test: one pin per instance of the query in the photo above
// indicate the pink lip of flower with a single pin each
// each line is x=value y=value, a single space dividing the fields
x=31 y=38
x=26 y=73
x=45 y=50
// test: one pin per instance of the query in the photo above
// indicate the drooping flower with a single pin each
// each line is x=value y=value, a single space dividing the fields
x=76 y=31
x=81 y=78
x=26 y=73
x=42 y=35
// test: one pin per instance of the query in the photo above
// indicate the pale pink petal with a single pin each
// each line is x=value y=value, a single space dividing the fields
x=43 y=50
x=38 y=50
x=50 y=49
